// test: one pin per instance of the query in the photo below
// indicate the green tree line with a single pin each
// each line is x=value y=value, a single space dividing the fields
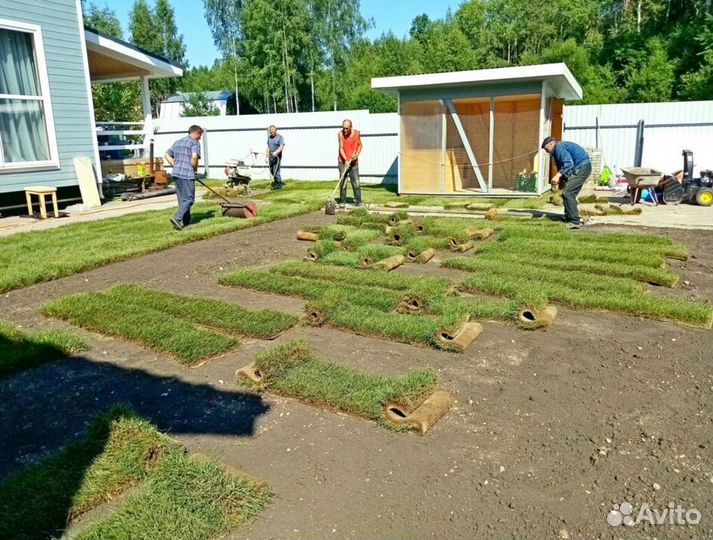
x=304 y=55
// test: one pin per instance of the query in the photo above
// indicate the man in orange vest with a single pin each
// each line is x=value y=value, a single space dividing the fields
x=349 y=150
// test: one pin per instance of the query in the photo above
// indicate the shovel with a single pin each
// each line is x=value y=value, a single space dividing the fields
x=331 y=207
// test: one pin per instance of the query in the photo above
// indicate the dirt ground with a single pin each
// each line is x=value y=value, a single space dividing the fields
x=550 y=431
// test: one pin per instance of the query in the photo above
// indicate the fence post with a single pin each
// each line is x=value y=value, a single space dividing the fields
x=639 y=150
x=205 y=152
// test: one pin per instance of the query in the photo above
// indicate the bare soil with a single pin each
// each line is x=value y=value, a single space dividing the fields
x=550 y=431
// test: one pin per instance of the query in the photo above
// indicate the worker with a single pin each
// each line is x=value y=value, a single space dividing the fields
x=183 y=156
x=349 y=149
x=574 y=167
x=275 y=147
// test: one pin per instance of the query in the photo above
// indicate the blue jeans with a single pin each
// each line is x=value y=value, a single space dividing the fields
x=186 y=194
x=275 y=169
x=572 y=187
x=356 y=187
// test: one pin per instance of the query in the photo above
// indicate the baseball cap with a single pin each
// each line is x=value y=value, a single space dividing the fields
x=546 y=141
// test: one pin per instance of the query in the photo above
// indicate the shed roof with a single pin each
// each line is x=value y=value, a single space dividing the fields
x=559 y=77
x=217 y=95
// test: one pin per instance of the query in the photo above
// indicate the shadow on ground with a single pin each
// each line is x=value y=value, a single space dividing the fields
x=48 y=407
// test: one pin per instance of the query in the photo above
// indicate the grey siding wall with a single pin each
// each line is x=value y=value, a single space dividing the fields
x=61 y=34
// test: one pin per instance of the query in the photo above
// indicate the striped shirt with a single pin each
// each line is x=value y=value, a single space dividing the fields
x=182 y=153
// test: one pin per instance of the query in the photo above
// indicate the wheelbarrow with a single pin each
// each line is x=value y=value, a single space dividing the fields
x=230 y=208
x=640 y=179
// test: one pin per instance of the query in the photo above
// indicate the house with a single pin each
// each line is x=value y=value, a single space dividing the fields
x=48 y=60
x=476 y=132
x=223 y=101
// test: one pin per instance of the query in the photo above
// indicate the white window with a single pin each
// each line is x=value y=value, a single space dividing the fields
x=27 y=137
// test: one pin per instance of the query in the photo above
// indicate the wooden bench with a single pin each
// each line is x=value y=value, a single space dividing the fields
x=41 y=191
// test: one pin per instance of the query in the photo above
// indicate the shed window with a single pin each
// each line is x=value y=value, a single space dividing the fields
x=24 y=101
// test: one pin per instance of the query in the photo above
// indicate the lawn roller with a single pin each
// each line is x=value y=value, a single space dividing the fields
x=233 y=208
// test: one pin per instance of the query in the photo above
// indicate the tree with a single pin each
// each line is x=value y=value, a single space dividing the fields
x=225 y=21
x=199 y=104
x=650 y=74
x=156 y=32
x=115 y=102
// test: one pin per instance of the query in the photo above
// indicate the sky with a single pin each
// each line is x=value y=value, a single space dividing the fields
x=387 y=15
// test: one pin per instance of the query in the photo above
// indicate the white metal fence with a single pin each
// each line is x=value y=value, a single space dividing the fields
x=646 y=134
x=311 y=147
x=658 y=131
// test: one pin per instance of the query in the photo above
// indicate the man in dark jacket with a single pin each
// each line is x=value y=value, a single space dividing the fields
x=574 y=169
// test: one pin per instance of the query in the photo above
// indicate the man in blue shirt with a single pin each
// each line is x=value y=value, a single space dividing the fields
x=183 y=157
x=275 y=146
x=574 y=169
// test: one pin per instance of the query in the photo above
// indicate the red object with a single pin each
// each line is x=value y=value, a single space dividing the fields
x=351 y=144
x=242 y=210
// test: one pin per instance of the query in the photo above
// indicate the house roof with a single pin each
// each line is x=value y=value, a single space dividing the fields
x=181 y=97
x=559 y=77
x=111 y=59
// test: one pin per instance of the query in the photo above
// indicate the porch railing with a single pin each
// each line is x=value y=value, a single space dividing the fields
x=121 y=140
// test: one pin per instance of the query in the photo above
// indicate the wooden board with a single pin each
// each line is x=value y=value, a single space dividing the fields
x=87 y=182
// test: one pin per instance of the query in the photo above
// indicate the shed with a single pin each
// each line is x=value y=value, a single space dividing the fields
x=475 y=132
x=222 y=100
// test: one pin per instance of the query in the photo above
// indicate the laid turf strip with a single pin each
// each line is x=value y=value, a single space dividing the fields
x=362 y=278
x=536 y=274
x=375 y=252
x=292 y=369
x=655 y=276
x=527 y=291
x=405 y=328
x=171 y=323
x=175 y=497
x=23 y=350
x=262 y=324
x=73 y=248
x=260 y=280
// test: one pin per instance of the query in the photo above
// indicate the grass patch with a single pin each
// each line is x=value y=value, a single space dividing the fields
x=437 y=286
x=574 y=279
x=22 y=350
x=369 y=321
x=294 y=285
x=532 y=292
x=291 y=369
x=647 y=243
x=224 y=316
x=375 y=252
x=646 y=274
x=118 y=451
x=190 y=329
x=82 y=246
x=565 y=250
x=177 y=497
x=183 y=497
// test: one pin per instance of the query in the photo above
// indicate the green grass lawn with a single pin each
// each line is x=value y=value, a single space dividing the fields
x=38 y=256
x=292 y=369
x=190 y=329
x=22 y=350
x=176 y=496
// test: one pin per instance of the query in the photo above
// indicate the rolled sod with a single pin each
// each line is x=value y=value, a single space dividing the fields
x=292 y=369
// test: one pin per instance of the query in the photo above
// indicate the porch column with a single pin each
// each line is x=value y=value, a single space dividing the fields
x=148 y=120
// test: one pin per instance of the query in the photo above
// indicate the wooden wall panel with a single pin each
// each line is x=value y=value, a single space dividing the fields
x=421 y=147
x=517 y=128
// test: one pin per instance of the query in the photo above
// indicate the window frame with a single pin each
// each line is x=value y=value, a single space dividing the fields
x=45 y=98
